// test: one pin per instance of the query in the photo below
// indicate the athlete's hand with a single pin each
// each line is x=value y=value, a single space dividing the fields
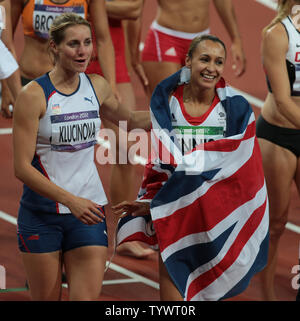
x=139 y=70
x=86 y=211
x=6 y=101
x=116 y=92
x=131 y=208
x=238 y=57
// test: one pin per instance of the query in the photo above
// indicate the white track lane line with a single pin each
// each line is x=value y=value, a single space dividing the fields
x=133 y=275
x=271 y=4
x=293 y=227
x=251 y=99
x=11 y=219
x=5 y=131
x=135 y=278
x=8 y=218
x=111 y=282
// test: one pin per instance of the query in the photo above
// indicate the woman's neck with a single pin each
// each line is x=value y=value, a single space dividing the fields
x=65 y=81
x=197 y=95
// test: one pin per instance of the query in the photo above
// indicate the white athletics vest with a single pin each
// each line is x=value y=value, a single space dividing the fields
x=191 y=131
x=65 y=143
x=293 y=55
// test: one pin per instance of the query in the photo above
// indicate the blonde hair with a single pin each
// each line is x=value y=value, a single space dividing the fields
x=59 y=26
x=62 y=22
x=283 y=10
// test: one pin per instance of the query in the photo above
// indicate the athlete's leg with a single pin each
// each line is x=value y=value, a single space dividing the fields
x=157 y=71
x=279 y=169
x=297 y=181
x=43 y=272
x=297 y=176
x=168 y=291
x=123 y=176
x=85 y=269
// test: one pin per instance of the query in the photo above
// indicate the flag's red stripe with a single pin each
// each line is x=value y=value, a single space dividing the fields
x=140 y=236
x=226 y=145
x=153 y=181
x=215 y=205
x=240 y=242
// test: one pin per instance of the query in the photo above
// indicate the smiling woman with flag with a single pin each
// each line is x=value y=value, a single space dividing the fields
x=203 y=202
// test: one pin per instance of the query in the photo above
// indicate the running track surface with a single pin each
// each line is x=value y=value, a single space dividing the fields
x=129 y=278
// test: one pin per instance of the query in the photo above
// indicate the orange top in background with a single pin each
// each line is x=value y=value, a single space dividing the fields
x=37 y=15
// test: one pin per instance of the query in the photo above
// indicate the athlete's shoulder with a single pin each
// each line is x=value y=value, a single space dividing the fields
x=31 y=100
x=276 y=33
x=97 y=80
x=100 y=85
x=275 y=41
x=32 y=89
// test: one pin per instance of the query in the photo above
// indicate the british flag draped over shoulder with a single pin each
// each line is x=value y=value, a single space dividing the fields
x=209 y=207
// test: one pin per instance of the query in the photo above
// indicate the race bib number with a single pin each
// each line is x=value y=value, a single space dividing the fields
x=43 y=16
x=74 y=131
x=189 y=137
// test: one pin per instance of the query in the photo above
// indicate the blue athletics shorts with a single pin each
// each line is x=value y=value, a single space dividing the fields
x=47 y=232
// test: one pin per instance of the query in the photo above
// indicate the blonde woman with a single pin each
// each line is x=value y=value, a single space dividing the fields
x=278 y=127
x=61 y=220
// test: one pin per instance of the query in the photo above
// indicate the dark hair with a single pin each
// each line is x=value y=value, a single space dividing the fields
x=194 y=44
x=62 y=22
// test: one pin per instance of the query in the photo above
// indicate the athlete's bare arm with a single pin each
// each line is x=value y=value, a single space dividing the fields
x=113 y=111
x=274 y=49
x=104 y=44
x=227 y=14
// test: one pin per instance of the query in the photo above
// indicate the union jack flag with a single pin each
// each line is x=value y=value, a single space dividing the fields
x=209 y=207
